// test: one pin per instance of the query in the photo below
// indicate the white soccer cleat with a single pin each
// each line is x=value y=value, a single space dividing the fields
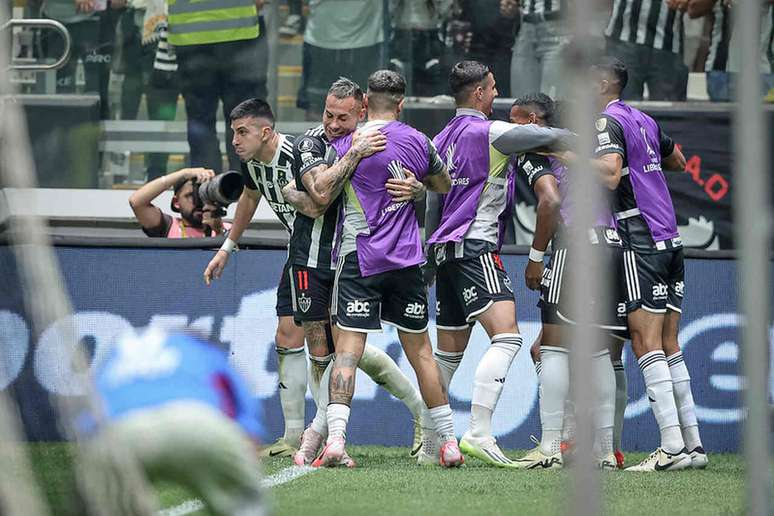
x=417 y=444
x=450 y=454
x=536 y=459
x=660 y=460
x=333 y=455
x=307 y=451
x=486 y=450
x=699 y=458
x=606 y=463
x=429 y=451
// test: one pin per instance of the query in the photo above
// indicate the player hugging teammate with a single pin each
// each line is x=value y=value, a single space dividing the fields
x=361 y=187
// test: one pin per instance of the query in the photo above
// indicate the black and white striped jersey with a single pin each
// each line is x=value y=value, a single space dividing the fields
x=541 y=6
x=720 y=36
x=723 y=56
x=312 y=241
x=647 y=22
x=269 y=178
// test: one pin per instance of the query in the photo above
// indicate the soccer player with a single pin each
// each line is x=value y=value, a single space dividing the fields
x=471 y=282
x=378 y=276
x=549 y=179
x=175 y=405
x=631 y=153
x=267 y=158
x=315 y=192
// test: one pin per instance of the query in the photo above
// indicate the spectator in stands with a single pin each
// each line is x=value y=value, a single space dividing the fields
x=416 y=47
x=92 y=31
x=175 y=408
x=537 y=63
x=222 y=55
x=342 y=39
x=294 y=23
x=492 y=26
x=141 y=34
x=648 y=37
x=722 y=62
x=195 y=221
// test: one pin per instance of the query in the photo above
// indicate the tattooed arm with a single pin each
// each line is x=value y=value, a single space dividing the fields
x=302 y=201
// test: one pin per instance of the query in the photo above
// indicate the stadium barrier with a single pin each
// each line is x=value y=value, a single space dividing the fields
x=117 y=286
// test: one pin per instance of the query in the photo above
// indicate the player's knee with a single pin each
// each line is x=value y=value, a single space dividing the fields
x=289 y=337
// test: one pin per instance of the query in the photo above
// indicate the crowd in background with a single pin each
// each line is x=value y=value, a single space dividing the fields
x=135 y=42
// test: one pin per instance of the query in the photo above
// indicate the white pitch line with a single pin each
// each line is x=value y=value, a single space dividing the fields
x=283 y=476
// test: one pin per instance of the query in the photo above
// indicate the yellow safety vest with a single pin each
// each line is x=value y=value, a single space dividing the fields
x=197 y=22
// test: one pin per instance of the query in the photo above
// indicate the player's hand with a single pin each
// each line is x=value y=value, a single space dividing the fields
x=533 y=274
x=408 y=189
x=366 y=143
x=215 y=267
x=678 y=5
x=428 y=273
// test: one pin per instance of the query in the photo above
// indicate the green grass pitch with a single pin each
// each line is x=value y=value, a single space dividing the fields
x=387 y=481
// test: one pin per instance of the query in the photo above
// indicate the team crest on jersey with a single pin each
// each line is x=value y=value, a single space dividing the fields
x=600 y=124
x=440 y=253
x=305 y=145
x=450 y=157
x=304 y=302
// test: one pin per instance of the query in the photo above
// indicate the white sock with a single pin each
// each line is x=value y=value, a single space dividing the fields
x=385 y=372
x=686 y=410
x=604 y=383
x=292 y=389
x=621 y=400
x=317 y=367
x=569 y=424
x=320 y=422
x=444 y=425
x=489 y=380
x=448 y=362
x=658 y=384
x=338 y=417
x=555 y=387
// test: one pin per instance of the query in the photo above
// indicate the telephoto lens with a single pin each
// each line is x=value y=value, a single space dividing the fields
x=222 y=189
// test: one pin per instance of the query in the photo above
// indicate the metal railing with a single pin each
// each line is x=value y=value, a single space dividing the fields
x=46 y=24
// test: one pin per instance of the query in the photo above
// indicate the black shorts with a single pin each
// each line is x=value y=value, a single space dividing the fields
x=395 y=297
x=284 y=293
x=555 y=303
x=466 y=288
x=654 y=282
x=311 y=290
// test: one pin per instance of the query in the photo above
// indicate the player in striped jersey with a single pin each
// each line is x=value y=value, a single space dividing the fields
x=317 y=198
x=266 y=157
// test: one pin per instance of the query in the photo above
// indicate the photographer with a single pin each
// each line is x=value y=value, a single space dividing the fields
x=196 y=220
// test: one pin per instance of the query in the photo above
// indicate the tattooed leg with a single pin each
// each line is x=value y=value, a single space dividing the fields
x=349 y=349
x=320 y=343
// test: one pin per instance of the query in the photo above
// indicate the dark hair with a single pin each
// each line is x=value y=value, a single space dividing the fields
x=541 y=103
x=385 y=90
x=464 y=76
x=344 y=88
x=256 y=108
x=615 y=68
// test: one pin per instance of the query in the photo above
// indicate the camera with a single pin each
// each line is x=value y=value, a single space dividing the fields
x=221 y=191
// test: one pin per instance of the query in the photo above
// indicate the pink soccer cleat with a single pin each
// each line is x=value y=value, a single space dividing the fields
x=307 y=451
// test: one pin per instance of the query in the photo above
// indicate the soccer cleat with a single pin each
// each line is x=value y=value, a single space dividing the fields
x=429 y=452
x=536 y=459
x=699 y=458
x=280 y=448
x=450 y=454
x=486 y=450
x=417 y=439
x=568 y=451
x=292 y=26
x=619 y=459
x=660 y=460
x=307 y=451
x=333 y=455
x=607 y=463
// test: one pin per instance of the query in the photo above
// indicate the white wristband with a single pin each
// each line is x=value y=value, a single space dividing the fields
x=535 y=255
x=229 y=246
